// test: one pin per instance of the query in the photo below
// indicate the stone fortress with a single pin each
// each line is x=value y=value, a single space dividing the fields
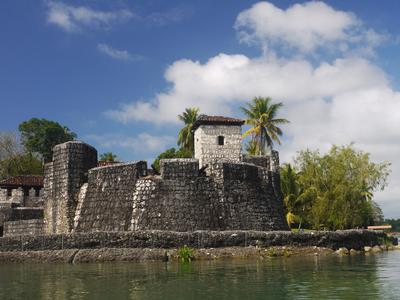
x=219 y=189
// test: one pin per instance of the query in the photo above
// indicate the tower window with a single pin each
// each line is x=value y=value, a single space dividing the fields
x=9 y=192
x=221 y=140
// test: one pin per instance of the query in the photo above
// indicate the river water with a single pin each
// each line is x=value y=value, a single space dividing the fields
x=331 y=277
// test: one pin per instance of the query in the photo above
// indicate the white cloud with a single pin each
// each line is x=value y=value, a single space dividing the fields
x=306 y=27
x=173 y=15
x=144 y=143
x=74 y=18
x=347 y=99
x=118 y=54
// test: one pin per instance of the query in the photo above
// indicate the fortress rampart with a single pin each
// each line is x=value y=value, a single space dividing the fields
x=123 y=197
x=218 y=190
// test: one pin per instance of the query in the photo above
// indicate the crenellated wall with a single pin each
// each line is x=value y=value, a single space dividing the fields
x=230 y=195
x=235 y=196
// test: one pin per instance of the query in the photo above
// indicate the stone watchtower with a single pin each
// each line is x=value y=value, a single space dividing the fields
x=217 y=138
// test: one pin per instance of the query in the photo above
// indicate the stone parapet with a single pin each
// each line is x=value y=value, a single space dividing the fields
x=183 y=168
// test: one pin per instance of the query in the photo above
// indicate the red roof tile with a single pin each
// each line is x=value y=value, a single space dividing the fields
x=216 y=120
x=24 y=180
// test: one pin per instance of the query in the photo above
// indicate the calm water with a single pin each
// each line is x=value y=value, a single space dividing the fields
x=357 y=277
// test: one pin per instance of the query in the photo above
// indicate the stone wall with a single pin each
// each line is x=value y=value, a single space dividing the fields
x=235 y=196
x=249 y=198
x=351 y=239
x=23 y=227
x=206 y=146
x=107 y=203
x=69 y=168
x=17 y=196
x=261 y=161
x=34 y=198
x=230 y=195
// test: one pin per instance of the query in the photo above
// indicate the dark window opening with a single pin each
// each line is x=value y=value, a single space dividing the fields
x=9 y=192
x=221 y=140
x=37 y=193
x=26 y=192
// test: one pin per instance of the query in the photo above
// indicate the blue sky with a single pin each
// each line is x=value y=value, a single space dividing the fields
x=118 y=72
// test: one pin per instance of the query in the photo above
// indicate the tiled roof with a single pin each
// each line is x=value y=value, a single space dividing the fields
x=24 y=180
x=216 y=120
x=103 y=163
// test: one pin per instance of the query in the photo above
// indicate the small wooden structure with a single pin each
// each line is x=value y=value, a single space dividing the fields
x=380 y=227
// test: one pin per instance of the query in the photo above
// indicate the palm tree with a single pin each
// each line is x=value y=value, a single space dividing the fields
x=186 y=136
x=252 y=147
x=261 y=115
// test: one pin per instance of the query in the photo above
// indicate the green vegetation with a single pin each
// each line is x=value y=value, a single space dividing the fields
x=39 y=136
x=109 y=157
x=170 y=153
x=14 y=160
x=185 y=139
x=186 y=135
x=261 y=114
x=333 y=191
x=185 y=254
x=276 y=252
x=394 y=222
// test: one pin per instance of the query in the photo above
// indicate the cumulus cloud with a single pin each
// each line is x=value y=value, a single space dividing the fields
x=144 y=143
x=336 y=101
x=305 y=27
x=231 y=79
x=118 y=54
x=74 y=18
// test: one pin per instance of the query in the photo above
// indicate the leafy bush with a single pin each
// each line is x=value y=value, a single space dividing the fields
x=185 y=254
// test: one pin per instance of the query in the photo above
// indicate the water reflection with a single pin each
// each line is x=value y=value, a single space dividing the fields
x=350 y=277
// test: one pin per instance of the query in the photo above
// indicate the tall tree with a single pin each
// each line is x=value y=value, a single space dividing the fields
x=186 y=136
x=13 y=160
x=10 y=145
x=261 y=115
x=41 y=135
x=339 y=187
x=108 y=156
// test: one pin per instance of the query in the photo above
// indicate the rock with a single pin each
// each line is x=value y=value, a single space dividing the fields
x=376 y=249
x=354 y=252
x=342 y=251
x=367 y=249
x=383 y=247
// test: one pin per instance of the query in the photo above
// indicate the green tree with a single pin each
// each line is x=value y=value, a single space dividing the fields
x=170 y=153
x=10 y=145
x=296 y=201
x=13 y=160
x=261 y=115
x=41 y=135
x=252 y=147
x=109 y=157
x=339 y=187
x=186 y=135
x=20 y=164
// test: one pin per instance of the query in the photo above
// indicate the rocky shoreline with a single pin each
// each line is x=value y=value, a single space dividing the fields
x=164 y=245
x=102 y=255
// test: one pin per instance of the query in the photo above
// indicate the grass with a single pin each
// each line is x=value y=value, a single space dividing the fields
x=185 y=254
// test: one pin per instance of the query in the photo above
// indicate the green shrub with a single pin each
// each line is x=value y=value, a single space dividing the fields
x=185 y=254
